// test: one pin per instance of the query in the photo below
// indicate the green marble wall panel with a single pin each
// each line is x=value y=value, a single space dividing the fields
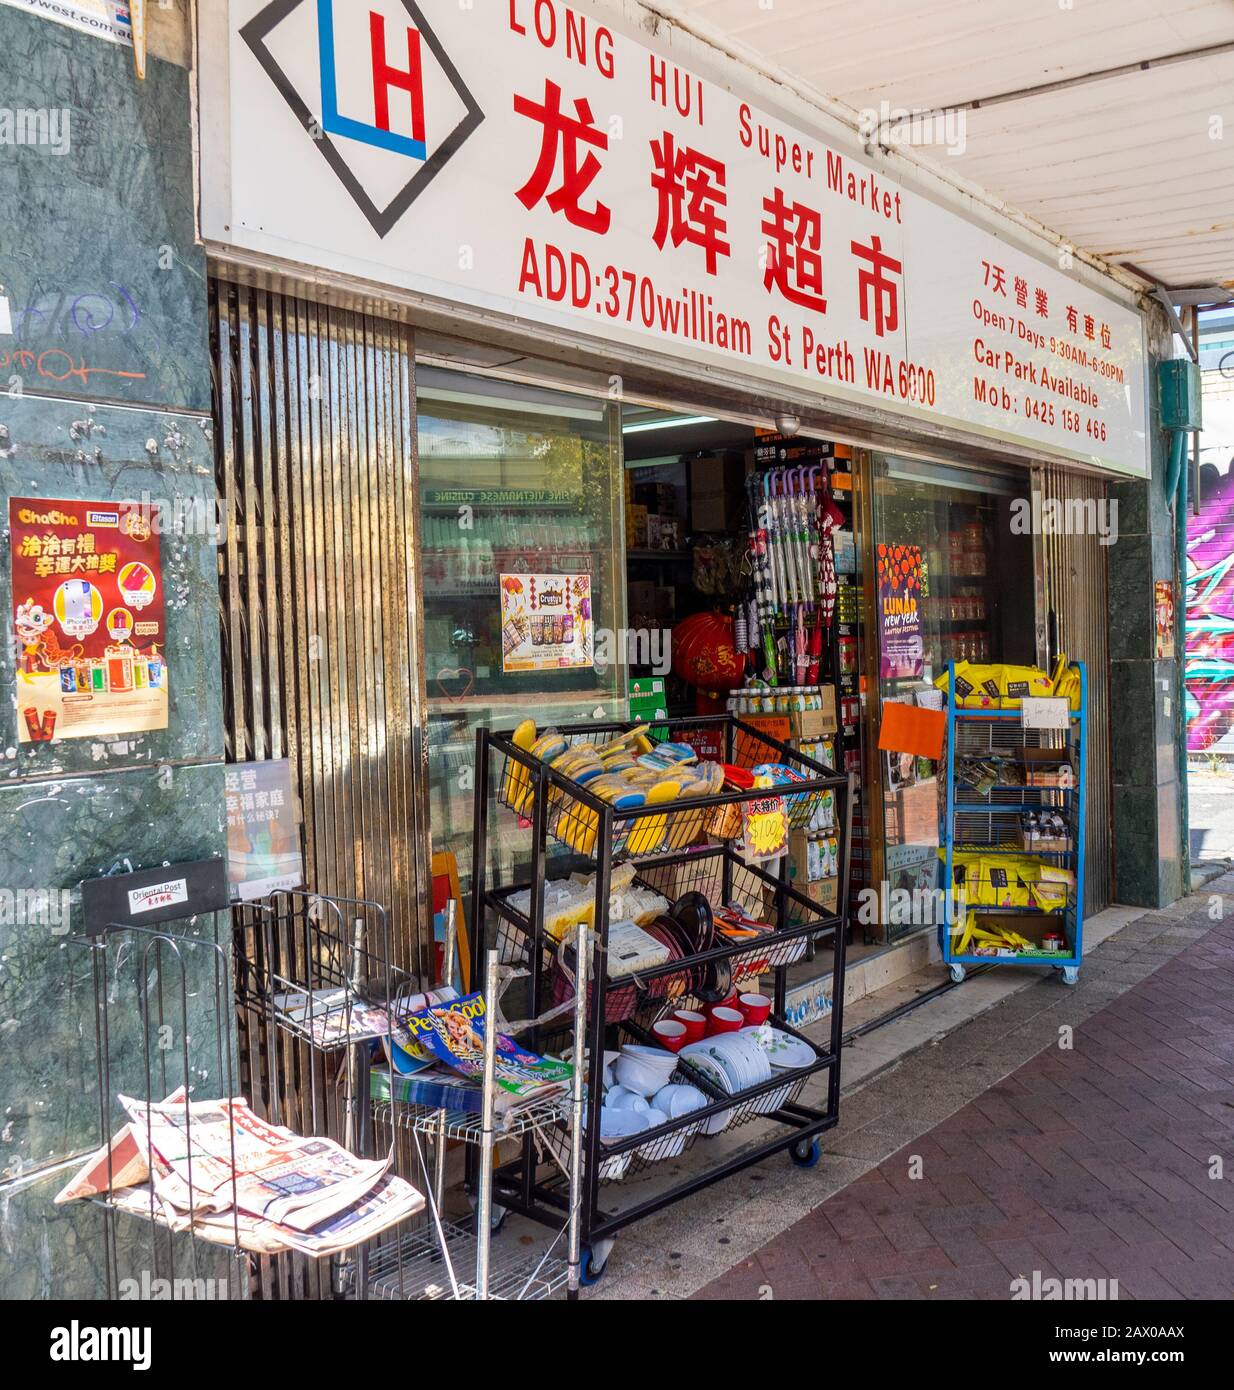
x=97 y=257
x=58 y=1252
x=56 y=448
x=53 y=834
x=105 y=393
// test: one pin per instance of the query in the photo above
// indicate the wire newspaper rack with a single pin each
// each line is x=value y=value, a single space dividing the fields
x=217 y=1185
x=144 y=973
x=316 y=976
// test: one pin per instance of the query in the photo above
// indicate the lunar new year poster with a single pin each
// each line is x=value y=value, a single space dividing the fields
x=88 y=618
x=901 y=651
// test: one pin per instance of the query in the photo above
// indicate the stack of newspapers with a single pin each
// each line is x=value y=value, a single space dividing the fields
x=216 y=1168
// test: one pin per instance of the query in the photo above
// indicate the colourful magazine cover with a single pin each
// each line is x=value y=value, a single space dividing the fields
x=455 y=1036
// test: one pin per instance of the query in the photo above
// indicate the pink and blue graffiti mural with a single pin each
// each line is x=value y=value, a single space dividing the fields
x=1209 y=671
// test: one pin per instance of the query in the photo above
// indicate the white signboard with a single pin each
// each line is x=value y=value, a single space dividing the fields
x=105 y=19
x=535 y=159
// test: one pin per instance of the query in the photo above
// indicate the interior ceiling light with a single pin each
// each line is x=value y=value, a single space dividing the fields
x=673 y=422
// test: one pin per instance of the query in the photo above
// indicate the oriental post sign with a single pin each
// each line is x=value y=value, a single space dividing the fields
x=536 y=159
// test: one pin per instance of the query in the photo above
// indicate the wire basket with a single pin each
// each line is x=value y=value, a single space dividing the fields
x=319 y=968
x=574 y=815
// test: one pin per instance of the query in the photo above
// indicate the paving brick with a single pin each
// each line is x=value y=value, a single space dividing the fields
x=1089 y=1162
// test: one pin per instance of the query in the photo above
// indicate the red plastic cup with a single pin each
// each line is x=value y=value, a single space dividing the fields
x=724 y=1020
x=754 y=1008
x=670 y=1033
x=695 y=1024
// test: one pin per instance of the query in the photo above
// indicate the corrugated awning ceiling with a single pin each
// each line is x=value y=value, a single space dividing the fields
x=1136 y=167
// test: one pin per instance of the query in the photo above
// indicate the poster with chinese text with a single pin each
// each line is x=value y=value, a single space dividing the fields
x=263 y=829
x=901 y=651
x=88 y=619
x=545 y=622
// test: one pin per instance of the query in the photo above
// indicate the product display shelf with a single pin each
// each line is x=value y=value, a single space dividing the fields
x=675 y=853
x=415 y=1269
x=990 y=819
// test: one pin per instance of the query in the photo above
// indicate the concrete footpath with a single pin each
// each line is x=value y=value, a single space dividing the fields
x=1069 y=1133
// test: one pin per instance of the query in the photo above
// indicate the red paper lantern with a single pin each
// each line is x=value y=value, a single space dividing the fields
x=705 y=656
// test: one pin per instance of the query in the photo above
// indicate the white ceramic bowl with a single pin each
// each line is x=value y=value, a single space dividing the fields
x=619 y=1098
x=637 y=1074
x=677 y=1100
x=621 y=1124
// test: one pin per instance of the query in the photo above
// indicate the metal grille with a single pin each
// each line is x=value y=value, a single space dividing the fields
x=316 y=460
x=1072 y=616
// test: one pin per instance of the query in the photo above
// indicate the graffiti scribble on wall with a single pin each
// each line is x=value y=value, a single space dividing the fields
x=1210 y=621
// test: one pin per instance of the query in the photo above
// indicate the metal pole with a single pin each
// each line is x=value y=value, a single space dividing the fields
x=484 y=1198
x=582 y=954
x=439 y=1139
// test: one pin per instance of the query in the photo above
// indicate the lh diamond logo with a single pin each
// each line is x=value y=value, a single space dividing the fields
x=379 y=96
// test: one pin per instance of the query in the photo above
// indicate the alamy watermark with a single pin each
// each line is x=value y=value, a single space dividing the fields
x=147 y=515
x=1038 y=515
x=1048 y=1289
x=36 y=907
x=47 y=127
x=634 y=646
x=891 y=127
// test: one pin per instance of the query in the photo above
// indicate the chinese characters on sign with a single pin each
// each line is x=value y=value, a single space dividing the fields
x=263 y=829
x=641 y=198
x=546 y=622
x=88 y=619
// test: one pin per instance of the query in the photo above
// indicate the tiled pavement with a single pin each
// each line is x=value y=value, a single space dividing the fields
x=1090 y=1161
x=995 y=1178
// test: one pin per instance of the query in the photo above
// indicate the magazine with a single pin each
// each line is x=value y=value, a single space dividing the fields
x=438 y=1057
x=436 y=1089
x=455 y=1036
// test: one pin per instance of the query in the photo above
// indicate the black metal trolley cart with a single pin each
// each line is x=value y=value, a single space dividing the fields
x=678 y=847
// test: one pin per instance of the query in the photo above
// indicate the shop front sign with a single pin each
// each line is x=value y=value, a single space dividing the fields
x=540 y=161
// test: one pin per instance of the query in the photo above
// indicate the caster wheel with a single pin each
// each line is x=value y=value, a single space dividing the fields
x=957 y=974
x=806 y=1153
x=1071 y=974
x=594 y=1263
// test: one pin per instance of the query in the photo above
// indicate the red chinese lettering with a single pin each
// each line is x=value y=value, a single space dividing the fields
x=691 y=188
x=563 y=134
x=794 y=234
x=1072 y=318
x=872 y=280
x=1043 y=304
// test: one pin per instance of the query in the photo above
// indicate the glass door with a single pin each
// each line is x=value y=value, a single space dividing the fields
x=520 y=493
x=953 y=581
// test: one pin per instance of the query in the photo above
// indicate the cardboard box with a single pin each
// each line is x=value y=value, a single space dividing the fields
x=825 y=892
x=717 y=492
x=1043 y=768
x=816 y=723
x=663 y=532
x=641 y=603
x=647 y=698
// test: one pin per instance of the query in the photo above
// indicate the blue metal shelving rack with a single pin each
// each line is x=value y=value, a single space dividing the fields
x=973 y=819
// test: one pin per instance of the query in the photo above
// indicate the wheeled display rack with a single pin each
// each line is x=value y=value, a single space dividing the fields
x=976 y=820
x=674 y=854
